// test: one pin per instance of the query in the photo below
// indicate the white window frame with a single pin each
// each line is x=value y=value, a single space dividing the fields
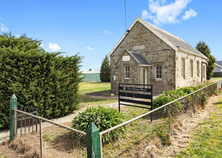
x=127 y=71
x=156 y=72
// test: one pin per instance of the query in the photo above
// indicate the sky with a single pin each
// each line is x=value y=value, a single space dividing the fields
x=93 y=28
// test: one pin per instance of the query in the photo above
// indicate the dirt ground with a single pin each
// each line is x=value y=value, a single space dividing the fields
x=181 y=133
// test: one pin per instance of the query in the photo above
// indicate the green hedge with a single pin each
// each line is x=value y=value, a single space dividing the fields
x=39 y=79
x=172 y=95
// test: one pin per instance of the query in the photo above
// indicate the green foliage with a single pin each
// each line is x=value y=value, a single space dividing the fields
x=204 y=49
x=90 y=69
x=47 y=137
x=105 y=70
x=161 y=132
x=177 y=107
x=38 y=78
x=103 y=118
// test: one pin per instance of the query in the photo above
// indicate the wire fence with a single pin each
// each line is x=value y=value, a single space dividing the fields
x=140 y=130
x=39 y=137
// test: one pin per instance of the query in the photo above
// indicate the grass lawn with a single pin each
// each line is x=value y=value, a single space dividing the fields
x=87 y=87
x=207 y=141
x=215 y=79
x=85 y=101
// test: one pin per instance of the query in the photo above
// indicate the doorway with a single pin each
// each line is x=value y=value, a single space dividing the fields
x=144 y=76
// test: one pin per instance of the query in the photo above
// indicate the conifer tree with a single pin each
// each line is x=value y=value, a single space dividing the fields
x=204 y=49
x=39 y=79
x=105 y=70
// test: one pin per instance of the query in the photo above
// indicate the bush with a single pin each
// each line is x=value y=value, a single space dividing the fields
x=169 y=96
x=103 y=118
x=39 y=79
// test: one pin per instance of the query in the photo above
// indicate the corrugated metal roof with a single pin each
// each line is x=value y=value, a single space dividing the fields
x=170 y=39
x=176 y=41
x=219 y=63
x=94 y=71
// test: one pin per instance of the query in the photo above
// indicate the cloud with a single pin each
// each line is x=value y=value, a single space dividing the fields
x=107 y=32
x=189 y=14
x=41 y=45
x=1 y=18
x=4 y=28
x=163 y=1
x=146 y=15
x=17 y=36
x=89 y=48
x=54 y=47
x=165 y=13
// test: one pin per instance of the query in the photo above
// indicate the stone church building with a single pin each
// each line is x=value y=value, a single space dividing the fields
x=146 y=54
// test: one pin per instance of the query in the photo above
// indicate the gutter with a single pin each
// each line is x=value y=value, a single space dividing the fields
x=184 y=50
x=218 y=65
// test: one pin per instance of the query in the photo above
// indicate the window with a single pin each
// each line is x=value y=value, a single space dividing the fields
x=159 y=71
x=204 y=72
x=191 y=68
x=127 y=71
x=183 y=68
x=198 y=68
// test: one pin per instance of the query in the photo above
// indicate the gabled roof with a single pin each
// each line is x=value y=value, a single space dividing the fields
x=140 y=58
x=219 y=63
x=173 y=41
x=137 y=57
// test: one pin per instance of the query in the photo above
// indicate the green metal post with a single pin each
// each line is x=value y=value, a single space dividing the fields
x=13 y=119
x=93 y=141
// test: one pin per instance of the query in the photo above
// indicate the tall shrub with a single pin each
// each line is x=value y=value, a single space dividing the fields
x=38 y=78
x=105 y=70
x=204 y=49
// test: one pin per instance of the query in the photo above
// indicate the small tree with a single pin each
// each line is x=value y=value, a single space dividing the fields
x=105 y=70
x=90 y=69
x=204 y=49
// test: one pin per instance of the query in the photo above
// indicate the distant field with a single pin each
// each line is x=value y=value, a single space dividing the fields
x=87 y=87
x=214 y=79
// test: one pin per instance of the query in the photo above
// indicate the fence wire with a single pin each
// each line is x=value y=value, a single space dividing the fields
x=140 y=132
x=40 y=138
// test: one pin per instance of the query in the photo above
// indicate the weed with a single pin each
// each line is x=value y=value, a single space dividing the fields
x=207 y=140
x=47 y=137
x=161 y=132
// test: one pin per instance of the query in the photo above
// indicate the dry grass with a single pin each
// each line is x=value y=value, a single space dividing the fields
x=23 y=146
x=61 y=144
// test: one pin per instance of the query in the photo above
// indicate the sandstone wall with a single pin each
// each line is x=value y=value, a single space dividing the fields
x=189 y=80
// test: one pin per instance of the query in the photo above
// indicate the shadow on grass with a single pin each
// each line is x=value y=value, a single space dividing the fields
x=86 y=99
x=66 y=142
